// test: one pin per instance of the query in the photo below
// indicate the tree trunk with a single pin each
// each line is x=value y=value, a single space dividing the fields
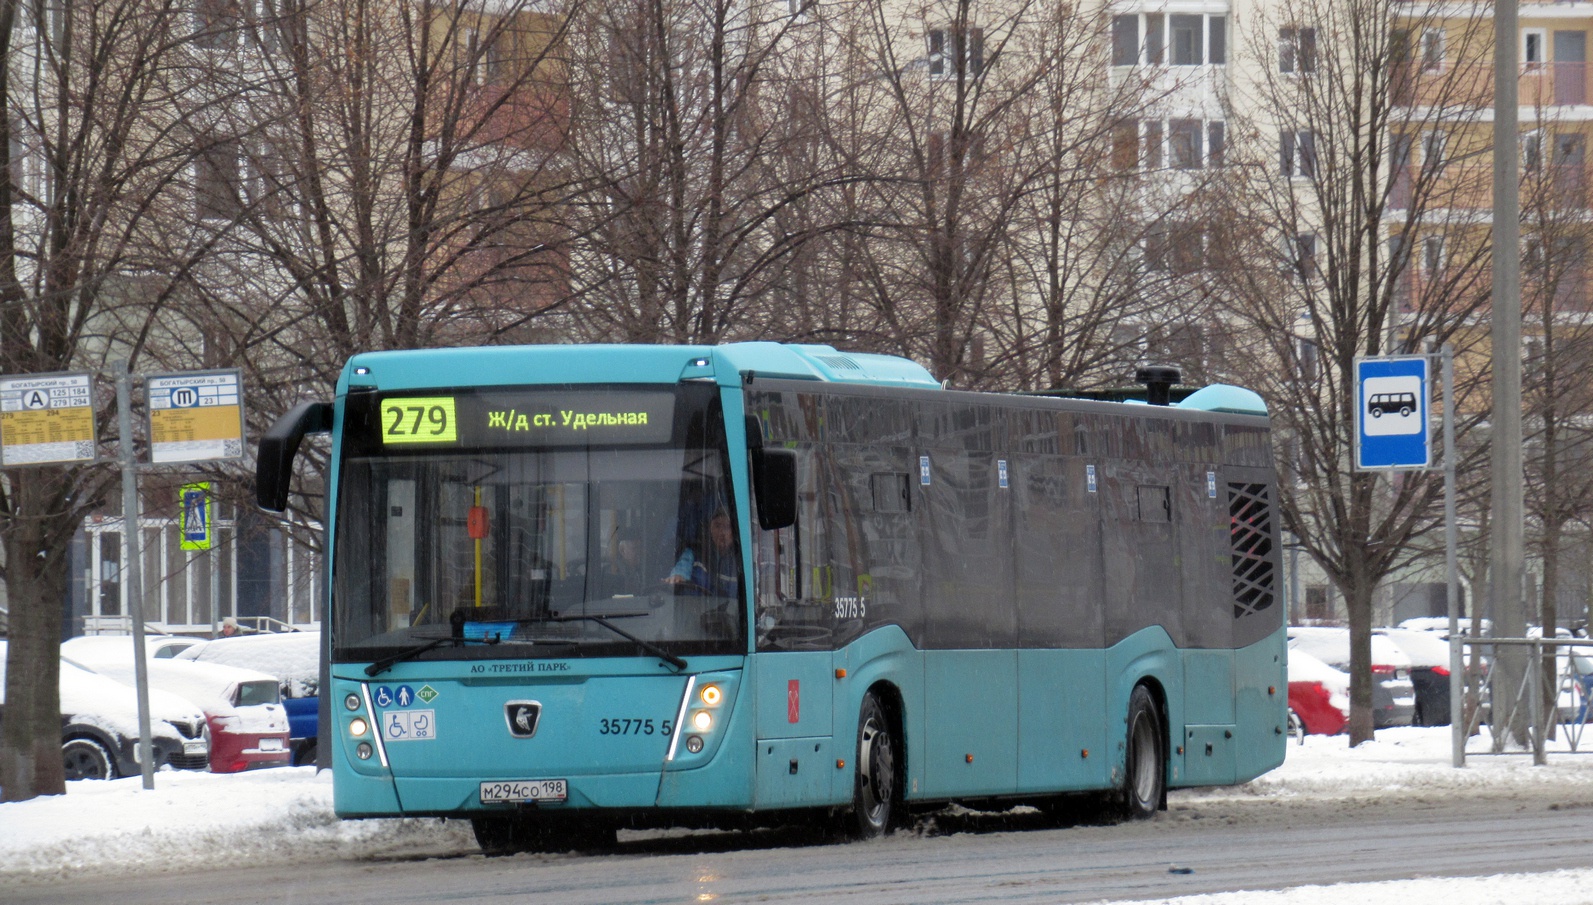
x=39 y=527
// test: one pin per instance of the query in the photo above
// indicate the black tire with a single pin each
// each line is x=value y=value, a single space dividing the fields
x=85 y=758
x=510 y=835
x=1145 y=762
x=501 y=835
x=876 y=786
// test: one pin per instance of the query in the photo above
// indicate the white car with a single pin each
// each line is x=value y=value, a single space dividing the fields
x=248 y=725
x=99 y=726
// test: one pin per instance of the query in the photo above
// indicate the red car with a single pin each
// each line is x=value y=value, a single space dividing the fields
x=243 y=708
x=1319 y=696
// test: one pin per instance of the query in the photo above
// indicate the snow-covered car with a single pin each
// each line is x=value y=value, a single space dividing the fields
x=1319 y=696
x=1429 y=672
x=248 y=726
x=295 y=659
x=1393 y=695
x=98 y=648
x=99 y=726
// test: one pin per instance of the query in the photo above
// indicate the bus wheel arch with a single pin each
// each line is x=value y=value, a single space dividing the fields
x=879 y=766
x=1144 y=789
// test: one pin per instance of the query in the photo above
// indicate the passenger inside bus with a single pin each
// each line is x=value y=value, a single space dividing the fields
x=624 y=573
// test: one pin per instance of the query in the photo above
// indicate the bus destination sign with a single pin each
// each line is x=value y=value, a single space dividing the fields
x=537 y=418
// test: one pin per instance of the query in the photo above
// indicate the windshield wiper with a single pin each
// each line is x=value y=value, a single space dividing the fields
x=386 y=663
x=650 y=647
x=456 y=636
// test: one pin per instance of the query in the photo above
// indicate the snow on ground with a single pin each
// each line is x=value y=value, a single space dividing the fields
x=192 y=820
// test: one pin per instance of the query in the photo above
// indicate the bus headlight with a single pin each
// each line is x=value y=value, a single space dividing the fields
x=357 y=726
x=712 y=695
x=702 y=721
x=363 y=750
x=352 y=702
x=694 y=743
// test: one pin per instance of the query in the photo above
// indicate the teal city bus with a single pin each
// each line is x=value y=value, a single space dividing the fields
x=575 y=588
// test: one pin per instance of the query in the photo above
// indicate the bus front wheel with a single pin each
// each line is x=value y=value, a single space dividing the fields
x=875 y=790
x=1146 y=763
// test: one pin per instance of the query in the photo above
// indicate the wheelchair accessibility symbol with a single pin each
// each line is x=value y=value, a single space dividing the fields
x=409 y=725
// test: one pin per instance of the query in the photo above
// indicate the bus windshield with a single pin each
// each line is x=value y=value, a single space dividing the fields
x=503 y=550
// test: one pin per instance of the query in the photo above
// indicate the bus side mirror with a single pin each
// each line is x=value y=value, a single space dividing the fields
x=774 y=482
x=274 y=465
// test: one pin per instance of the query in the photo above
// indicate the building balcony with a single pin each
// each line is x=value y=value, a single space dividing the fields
x=1540 y=85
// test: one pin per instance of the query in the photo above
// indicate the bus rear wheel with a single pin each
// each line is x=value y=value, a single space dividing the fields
x=1145 y=784
x=875 y=790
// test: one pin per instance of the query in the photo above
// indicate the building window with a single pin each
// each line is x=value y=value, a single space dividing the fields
x=1432 y=49
x=219 y=24
x=1432 y=256
x=1433 y=145
x=1305 y=360
x=1192 y=39
x=1532 y=151
x=1302 y=256
x=1191 y=144
x=1125 y=145
x=1297 y=152
x=1183 y=144
x=1532 y=49
x=218 y=180
x=1296 y=49
x=956 y=50
x=30 y=173
x=1125 y=40
x=1216 y=142
x=1188 y=39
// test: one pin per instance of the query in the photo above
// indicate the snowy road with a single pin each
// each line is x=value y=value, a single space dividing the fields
x=1197 y=847
x=1378 y=816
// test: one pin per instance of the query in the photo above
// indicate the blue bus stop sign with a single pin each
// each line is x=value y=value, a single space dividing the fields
x=1391 y=412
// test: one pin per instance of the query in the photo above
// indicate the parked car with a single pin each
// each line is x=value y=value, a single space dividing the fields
x=295 y=659
x=1429 y=672
x=1393 y=695
x=99 y=726
x=1319 y=696
x=98 y=648
x=243 y=708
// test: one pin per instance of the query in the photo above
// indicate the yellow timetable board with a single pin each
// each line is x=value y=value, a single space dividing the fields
x=46 y=419
x=195 y=416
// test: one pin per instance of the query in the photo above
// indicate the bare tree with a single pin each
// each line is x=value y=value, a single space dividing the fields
x=1361 y=145
x=1557 y=404
x=698 y=174
x=92 y=268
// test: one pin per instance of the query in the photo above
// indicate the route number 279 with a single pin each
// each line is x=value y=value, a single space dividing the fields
x=419 y=420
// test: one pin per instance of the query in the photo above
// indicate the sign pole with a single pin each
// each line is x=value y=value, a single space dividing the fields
x=134 y=579
x=1457 y=727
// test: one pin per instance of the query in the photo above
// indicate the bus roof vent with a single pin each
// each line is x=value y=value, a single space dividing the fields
x=839 y=362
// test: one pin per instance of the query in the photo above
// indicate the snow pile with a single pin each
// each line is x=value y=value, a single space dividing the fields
x=192 y=820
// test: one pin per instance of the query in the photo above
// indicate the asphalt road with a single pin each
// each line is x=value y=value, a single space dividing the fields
x=1197 y=846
